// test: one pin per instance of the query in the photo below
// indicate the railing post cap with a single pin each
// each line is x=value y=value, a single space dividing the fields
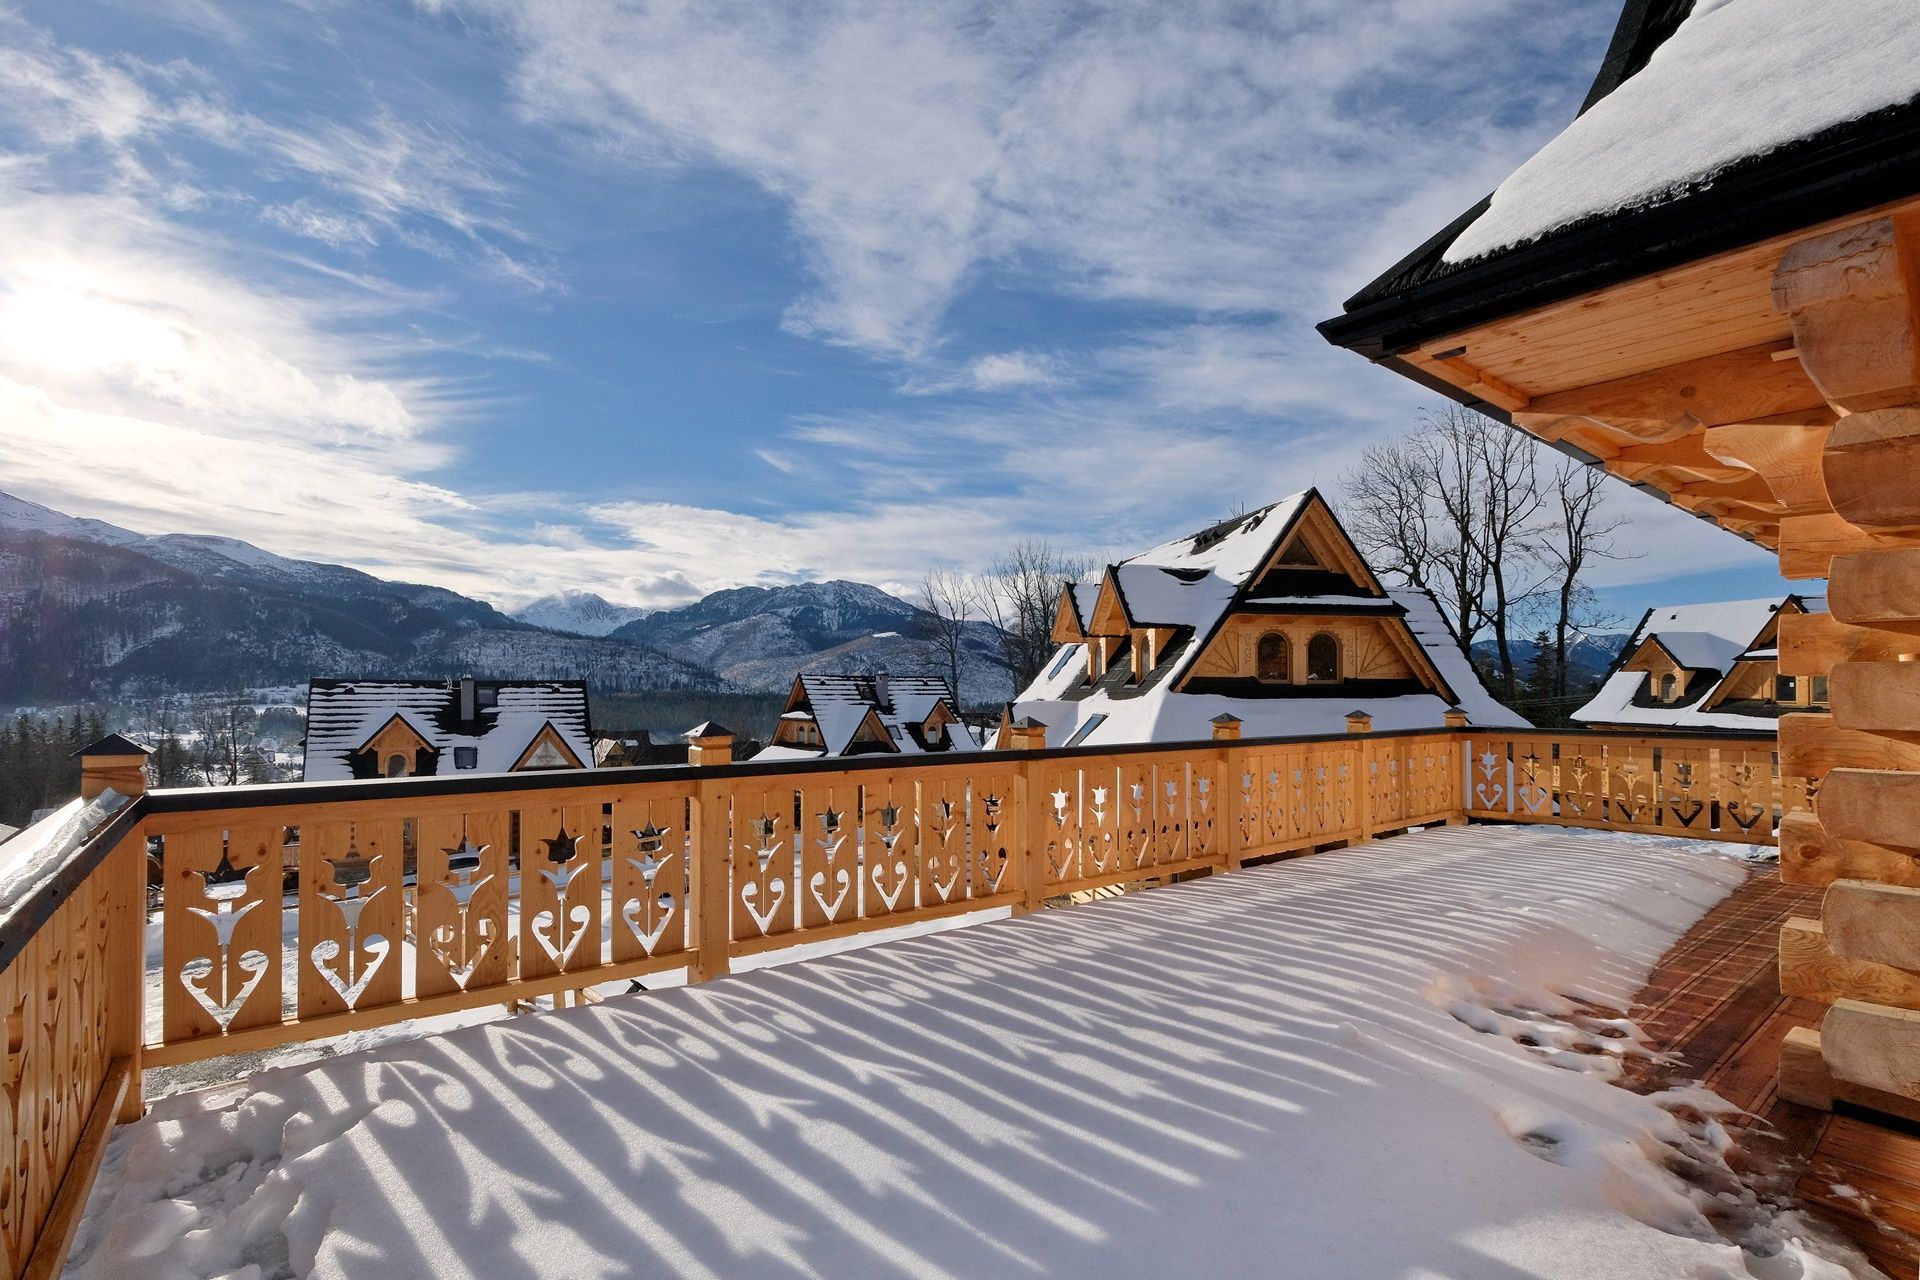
x=706 y=731
x=1359 y=720
x=1226 y=717
x=114 y=747
x=1455 y=717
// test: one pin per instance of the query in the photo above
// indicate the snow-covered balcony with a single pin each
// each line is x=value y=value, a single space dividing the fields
x=1230 y=1070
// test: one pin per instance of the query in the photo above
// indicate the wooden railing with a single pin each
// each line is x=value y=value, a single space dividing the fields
x=303 y=911
x=1720 y=788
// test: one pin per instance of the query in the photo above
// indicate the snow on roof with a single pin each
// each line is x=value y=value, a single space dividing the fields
x=1739 y=78
x=1700 y=637
x=342 y=715
x=1157 y=713
x=840 y=704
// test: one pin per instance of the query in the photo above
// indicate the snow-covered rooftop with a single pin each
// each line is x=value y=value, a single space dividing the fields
x=1737 y=79
x=343 y=714
x=839 y=704
x=1700 y=637
x=1310 y=1068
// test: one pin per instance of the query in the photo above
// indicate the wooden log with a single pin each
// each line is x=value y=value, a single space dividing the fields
x=1809 y=544
x=1877 y=697
x=1810 y=970
x=1876 y=588
x=1879 y=806
x=1872 y=468
x=1806 y=1080
x=1812 y=745
x=1811 y=855
x=1785 y=451
x=1874 y=922
x=1812 y=644
x=1666 y=404
x=1873 y=1046
x=1685 y=458
x=1848 y=295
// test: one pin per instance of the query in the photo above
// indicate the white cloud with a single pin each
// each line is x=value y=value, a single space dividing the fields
x=1205 y=156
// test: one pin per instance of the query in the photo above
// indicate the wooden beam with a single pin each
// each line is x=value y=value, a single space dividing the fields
x=1810 y=855
x=1749 y=493
x=1810 y=543
x=1810 y=970
x=1493 y=390
x=1879 y=806
x=1684 y=458
x=1874 y=922
x=1877 y=588
x=1812 y=644
x=1873 y=1046
x=1848 y=294
x=1812 y=745
x=1784 y=451
x=1871 y=466
x=1877 y=698
x=1678 y=400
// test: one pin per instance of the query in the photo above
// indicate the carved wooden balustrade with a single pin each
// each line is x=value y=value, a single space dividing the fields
x=303 y=911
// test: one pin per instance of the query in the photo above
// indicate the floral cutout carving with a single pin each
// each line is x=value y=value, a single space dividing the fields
x=363 y=956
x=210 y=979
x=560 y=929
x=461 y=945
x=648 y=913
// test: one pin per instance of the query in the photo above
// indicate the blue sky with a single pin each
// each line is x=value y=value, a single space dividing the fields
x=657 y=299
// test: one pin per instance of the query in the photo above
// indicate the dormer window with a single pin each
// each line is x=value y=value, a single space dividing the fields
x=466 y=757
x=1669 y=687
x=1786 y=689
x=1273 y=661
x=1323 y=658
x=397 y=766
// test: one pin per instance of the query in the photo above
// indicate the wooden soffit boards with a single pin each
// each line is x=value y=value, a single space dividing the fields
x=1686 y=382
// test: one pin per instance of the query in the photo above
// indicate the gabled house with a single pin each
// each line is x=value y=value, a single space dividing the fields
x=1706 y=666
x=1272 y=617
x=833 y=715
x=414 y=728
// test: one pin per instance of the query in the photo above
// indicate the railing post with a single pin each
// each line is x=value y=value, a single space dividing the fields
x=1029 y=735
x=1360 y=723
x=710 y=853
x=120 y=764
x=1226 y=729
x=1456 y=718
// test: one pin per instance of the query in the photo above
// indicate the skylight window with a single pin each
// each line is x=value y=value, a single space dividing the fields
x=1091 y=723
x=1060 y=663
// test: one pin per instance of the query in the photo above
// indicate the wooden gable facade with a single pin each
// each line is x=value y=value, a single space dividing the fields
x=1310 y=619
x=1744 y=344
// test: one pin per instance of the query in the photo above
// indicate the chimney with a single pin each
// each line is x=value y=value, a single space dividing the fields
x=880 y=690
x=469 y=707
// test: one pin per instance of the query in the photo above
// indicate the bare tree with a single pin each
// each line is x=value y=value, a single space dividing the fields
x=949 y=600
x=1580 y=531
x=1019 y=595
x=1508 y=474
x=225 y=733
x=1457 y=507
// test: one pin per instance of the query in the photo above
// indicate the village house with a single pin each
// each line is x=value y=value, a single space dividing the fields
x=1706 y=666
x=416 y=728
x=1271 y=619
x=850 y=715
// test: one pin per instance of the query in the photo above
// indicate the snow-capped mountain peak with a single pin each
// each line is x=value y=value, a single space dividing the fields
x=583 y=613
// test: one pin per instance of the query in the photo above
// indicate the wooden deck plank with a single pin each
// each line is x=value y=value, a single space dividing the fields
x=1713 y=1004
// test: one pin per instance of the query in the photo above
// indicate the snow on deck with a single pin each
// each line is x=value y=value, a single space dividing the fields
x=1262 y=1073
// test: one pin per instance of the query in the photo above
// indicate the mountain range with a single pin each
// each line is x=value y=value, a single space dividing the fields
x=91 y=610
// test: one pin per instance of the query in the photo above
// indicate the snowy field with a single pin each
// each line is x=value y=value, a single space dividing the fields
x=1383 y=1062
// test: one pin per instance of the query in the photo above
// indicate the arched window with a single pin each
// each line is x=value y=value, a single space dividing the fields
x=1274 y=662
x=396 y=765
x=1667 y=686
x=1323 y=657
